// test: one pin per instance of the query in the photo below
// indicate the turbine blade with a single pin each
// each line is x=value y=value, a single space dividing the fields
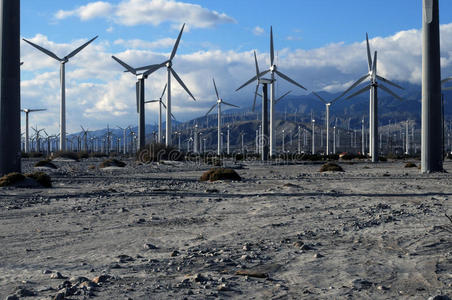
x=446 y=80
x=152 y=69
x=172 y=116
x=230 y=104
x=369 y=58
x=374 y=66
x=277 y=100
x=215 y=86
x=255 y=95
x=41 y=109
x=163 y=104
x=213 y=106
x=390 y=92
x=49 y=53
x=164 y=90
x=173 y=53
x=354 y=85
x=318 y=96
x=246 y=83
x=73 y=53
x=181 y=83
x=272 y=51
x=151 y=101
x=289 y=80
x=366 y=88
x=257 y=66
x=390 y=82
x=129 y=68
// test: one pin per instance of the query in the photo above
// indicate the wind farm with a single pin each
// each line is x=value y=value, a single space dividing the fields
x=302 y=186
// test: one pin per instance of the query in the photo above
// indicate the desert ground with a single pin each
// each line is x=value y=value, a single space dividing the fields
x=286 y=231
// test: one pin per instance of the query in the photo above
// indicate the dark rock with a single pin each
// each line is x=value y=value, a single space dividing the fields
x=361 y=284
x=57 y=275
x=439 y=297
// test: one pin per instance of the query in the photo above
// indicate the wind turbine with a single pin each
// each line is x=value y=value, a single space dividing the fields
x=139 y=85
x=159 y=100
x=27 y=111
x=169 y=66
x=85 y=139
x=218 y=104
x=444 y=81
x=327 y=108
x=373 y=110
x=273 y=70
x=63 y=62
x=264 y=82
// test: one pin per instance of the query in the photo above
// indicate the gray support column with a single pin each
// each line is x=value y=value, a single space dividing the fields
x=374 y=124
x=265 y=129
x=431 y=150
x=63 y=107
x=141 y=124
x=168 y=111
x=27 y=138
x=10 y=156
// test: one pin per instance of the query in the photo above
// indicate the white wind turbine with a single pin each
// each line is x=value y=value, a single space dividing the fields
x=327 y=116
x=373 y=110
x=169 y=66
x=160 y=101
x=27 y=111
x=273 y=70
x=63 y=62
x=139 y=85
x=219 y=102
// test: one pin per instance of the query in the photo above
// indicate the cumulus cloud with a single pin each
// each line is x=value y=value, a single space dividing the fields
x=258 y=30
x=99 y=92
x=154 y=12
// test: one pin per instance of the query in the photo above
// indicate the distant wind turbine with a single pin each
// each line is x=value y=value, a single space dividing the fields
x=160 y=101
x=139 y=85
x=218 y=104
x=63 y=62
x=327 y=108
x=169 y=66
x=27 y=111
x=373 y=86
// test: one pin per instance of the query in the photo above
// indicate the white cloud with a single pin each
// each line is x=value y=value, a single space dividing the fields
x=87 y=12
x=258 y=30
x=141 y=44
x=99 y=92
x=154 y=12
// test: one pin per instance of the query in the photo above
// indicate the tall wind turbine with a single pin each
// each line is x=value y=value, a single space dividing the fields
x=273 y=70
x=265 y=82
x=63 y=62
x=27 y=111
x=139 y=96
x=373 y=110
x=169 y=66
x=327 y=108
x=218 y=104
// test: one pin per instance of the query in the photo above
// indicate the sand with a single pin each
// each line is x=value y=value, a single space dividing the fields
x=285 y=231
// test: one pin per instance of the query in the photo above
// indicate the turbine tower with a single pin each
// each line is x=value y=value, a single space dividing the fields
x=373 y=109
x=169 y=66
x=327 y=116
x=139 y=97
x=27 y=111
x=159 y=100
x=265 y=82
x=273 y=70
x=219 y=102
x=63 y=62
x=10 y=159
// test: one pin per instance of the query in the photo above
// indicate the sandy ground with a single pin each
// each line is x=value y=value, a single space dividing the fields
x=156 y=232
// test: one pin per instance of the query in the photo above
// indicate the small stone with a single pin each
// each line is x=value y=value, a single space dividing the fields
x=101 y=278
x=382 y=288
x=439 y=297
x=24 y=292
x=12 y=297
x=46 y=272
x=78 y=280
x=122 y=210
x=57 y=275
x=199 y=278
x=361 y=284
x=175 y=253
x=318 y=255
x=298 y=244
x=59 y=296
x=149 y=246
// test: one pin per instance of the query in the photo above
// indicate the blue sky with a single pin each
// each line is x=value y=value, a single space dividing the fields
x=319 y=43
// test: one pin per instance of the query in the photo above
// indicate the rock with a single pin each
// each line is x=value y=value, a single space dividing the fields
x=251 y=273
x=24 y=292
x=175 y=253
x=149 y=246
x=46 y=272
x=88 y=285
x=439 y=297
x=318 y=255
x=199 y=278
x=101 y=278
x=59 y=296
x=382 y=288
x=57 y=275
x=361 y=284
x=125 y=258
x=12 y=297
x=78 y=280
x=247 y=247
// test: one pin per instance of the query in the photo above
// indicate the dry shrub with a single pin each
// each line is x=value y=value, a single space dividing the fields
x=331 y=167
x=11 y=178
x=41 y=178
x=410 y=165
x=220 y=174
x=46 y=163
x=112 y=162
x=66 y=155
